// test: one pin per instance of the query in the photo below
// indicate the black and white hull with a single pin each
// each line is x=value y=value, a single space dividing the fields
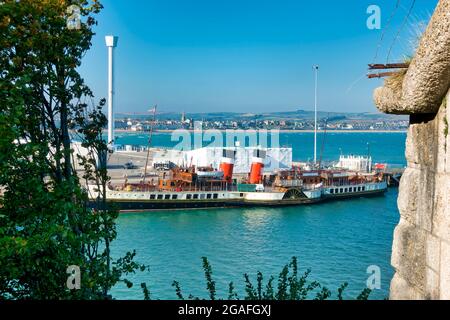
x=166 y=200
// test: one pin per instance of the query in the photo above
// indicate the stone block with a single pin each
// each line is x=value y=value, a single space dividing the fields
x=447 y=136
x=433 y=251
x=416 y=195
x=407 y=197
x=421 y=143
x=441 y=214
x=445 y=271
x=425 y=199
x=442 y=135
x=432 y=285
x=409 y=254
x=402 y=290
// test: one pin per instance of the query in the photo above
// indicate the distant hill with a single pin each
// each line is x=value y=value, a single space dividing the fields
x=283 y=115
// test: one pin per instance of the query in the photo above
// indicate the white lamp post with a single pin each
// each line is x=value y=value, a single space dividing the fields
x=111 y=43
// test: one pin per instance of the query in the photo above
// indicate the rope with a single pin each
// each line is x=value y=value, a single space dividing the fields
x=385 y=29
x=405 y=20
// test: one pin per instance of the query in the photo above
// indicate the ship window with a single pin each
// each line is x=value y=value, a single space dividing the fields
x=174 y=197
x=346 y=190
x=350 y=190
x=363 y=188
x=331 y=190
x=215 y=196
x=167 y=197
x=341 y=190
x=189 y=196
x=195 y=196
x=336 y=190
x=241 y=195
x=152 y=197
x=160 y=196
x=202 y=196
x=208 y=196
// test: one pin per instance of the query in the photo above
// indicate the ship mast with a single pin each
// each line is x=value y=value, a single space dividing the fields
x=323 y=143
x=316 y=71
x=149 y=142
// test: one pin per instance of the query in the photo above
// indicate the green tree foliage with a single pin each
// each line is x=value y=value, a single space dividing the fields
x=210 y=283
x=290 y=286
x=46 y=224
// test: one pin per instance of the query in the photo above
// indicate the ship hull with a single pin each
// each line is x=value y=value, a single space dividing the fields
x=234 y=199
x=279 y=203
x=142 y=205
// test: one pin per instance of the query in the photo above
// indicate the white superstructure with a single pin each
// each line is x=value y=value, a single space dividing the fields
x=276 y=158
x=354 y=188
x=355 y=163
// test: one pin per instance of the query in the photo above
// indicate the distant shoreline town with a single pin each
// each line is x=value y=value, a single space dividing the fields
x=280 y=130
x=295 y=121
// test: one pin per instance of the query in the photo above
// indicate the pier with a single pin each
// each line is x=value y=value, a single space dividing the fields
x=393 y=176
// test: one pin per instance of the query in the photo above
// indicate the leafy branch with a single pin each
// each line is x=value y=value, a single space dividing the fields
x=290 y=286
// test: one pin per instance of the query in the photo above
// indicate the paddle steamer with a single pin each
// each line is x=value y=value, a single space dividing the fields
x=205 y=187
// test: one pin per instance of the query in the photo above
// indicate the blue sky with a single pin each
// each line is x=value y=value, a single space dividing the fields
x=245 y=55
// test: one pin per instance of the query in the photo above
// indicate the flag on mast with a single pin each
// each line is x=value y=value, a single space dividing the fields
x=153 y=110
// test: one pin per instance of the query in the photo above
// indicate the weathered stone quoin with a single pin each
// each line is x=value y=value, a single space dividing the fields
x=421 y=248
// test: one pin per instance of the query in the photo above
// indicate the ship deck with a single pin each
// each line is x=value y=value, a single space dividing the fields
x=117 y=172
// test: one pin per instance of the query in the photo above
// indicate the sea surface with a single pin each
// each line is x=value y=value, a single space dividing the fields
x=338 y=241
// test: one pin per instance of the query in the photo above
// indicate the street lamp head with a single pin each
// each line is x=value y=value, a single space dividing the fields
x=315 y=67
x=111 y=41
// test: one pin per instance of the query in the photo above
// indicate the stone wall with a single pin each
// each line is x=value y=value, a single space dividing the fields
x=427 y=79
x=421 y=248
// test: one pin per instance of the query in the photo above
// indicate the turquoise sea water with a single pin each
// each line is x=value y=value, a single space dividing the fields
x=338 y=241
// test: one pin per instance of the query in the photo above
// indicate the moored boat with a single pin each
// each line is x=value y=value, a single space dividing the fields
x=204 y=187
x=191 y=188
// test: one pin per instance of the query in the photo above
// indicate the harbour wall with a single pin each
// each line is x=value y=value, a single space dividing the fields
x=421 y=245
